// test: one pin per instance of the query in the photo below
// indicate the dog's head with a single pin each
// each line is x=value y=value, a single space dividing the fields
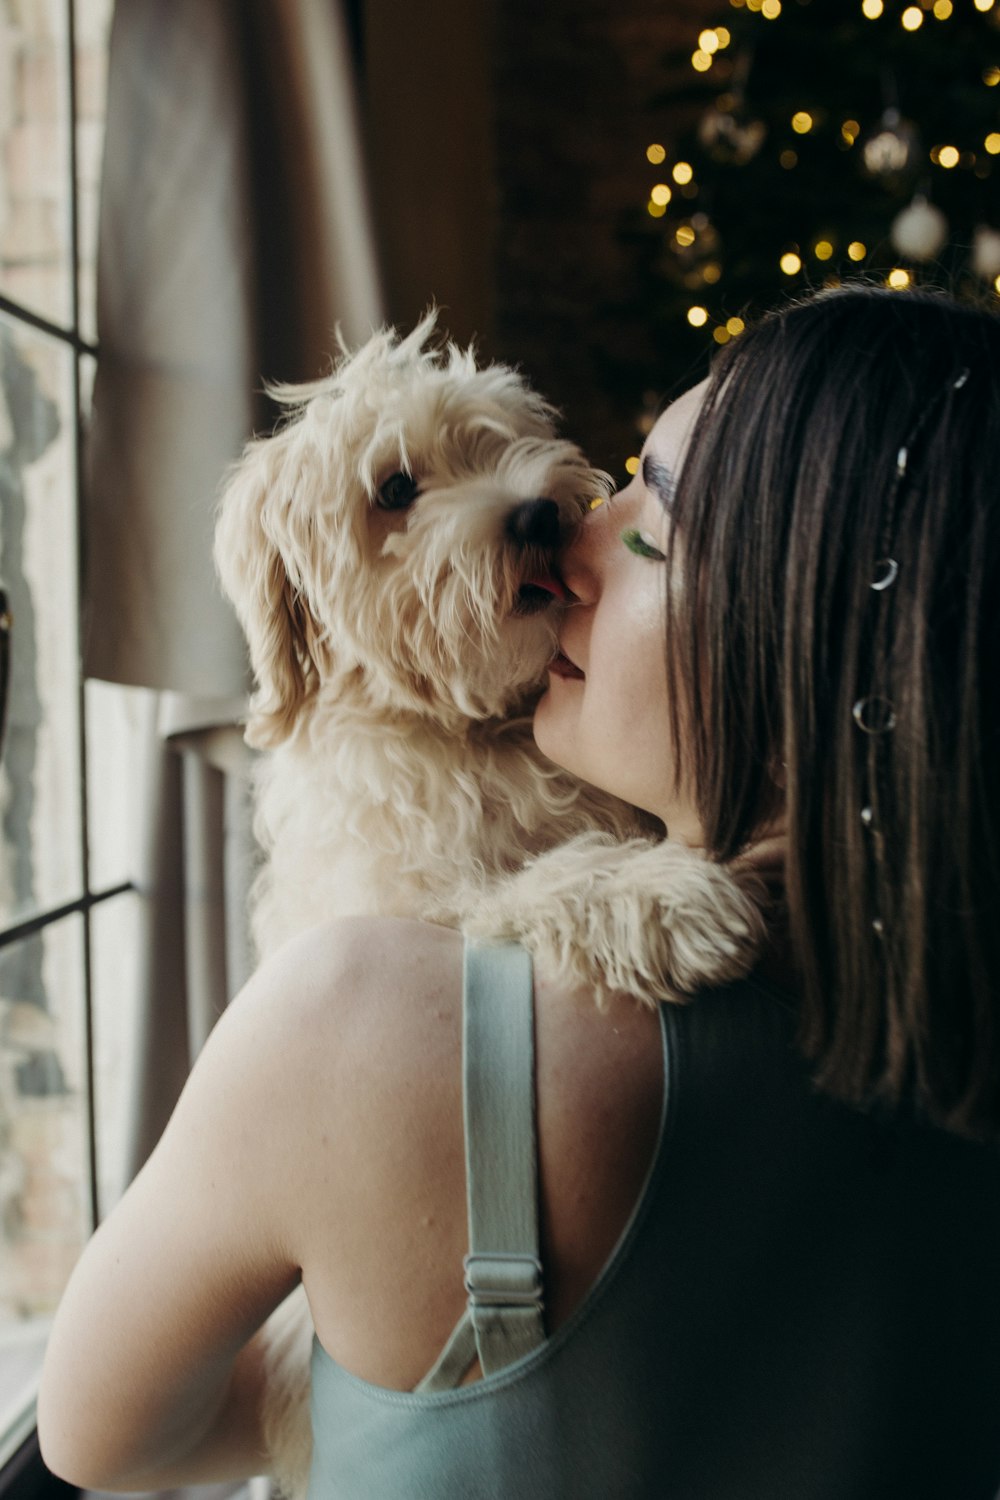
x=399 y=530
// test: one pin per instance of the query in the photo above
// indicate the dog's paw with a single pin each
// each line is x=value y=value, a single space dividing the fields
x=648 y=918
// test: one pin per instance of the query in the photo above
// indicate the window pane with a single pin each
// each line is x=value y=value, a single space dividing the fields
x=44 y=1168
x=39 y=778
x=34 y=158
x=116 y=987
x=93 y=26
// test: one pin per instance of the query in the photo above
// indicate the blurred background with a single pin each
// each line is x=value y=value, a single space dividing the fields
x=661 y=171
x=193 y=195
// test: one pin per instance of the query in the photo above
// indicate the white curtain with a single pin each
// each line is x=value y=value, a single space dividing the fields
x=234 y=237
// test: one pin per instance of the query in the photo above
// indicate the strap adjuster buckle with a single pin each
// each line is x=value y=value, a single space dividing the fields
x=500 y=1280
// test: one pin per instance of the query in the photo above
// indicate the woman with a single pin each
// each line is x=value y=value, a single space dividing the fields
x=805 y=1302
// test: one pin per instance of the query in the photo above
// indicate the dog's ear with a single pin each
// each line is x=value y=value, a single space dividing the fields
x=255 y=556
x=282 y=644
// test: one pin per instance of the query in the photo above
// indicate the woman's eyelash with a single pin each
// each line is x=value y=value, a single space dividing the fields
x=642 y=545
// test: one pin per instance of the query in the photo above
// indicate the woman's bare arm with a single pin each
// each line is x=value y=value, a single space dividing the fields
x=152 y=1377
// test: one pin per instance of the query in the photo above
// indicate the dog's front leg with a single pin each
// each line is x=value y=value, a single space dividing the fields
x=649 y=918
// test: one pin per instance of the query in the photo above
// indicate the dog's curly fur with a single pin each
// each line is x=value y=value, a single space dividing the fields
x=388 y=552
x=398 y=653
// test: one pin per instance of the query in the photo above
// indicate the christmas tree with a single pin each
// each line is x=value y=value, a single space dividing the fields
x=826 y=138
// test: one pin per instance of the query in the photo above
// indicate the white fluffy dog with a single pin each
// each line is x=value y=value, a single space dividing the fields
x=383 y=552
x=390 y=555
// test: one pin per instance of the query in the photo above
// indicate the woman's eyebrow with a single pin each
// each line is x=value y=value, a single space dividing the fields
x=659 y=479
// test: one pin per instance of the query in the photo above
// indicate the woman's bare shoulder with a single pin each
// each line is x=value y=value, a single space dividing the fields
x=355 y=968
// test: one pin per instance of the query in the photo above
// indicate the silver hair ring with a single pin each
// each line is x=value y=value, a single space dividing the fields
x=874 y=715
x=886 y=573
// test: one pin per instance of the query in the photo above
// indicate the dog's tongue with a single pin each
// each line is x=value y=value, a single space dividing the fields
x=549 y=584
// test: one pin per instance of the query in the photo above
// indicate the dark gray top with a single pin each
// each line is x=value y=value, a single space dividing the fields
x=805 y=1306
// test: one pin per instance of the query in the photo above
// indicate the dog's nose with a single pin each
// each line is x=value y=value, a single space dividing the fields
x=534 y=522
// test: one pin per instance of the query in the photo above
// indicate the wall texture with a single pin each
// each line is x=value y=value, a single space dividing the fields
x=581 y=89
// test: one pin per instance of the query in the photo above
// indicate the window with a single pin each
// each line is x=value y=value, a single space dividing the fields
x=66 y=912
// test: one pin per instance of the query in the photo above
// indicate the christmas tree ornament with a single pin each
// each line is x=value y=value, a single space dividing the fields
x=814 y=159
x=920 y=231
x=694 y=245
x=697 y=240
x=986 y=252
x=731 y=135
x=893 y=148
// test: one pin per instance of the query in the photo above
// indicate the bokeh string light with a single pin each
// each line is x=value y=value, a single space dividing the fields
x=890 y=224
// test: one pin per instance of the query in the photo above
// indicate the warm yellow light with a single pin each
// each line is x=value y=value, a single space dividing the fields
x=992 y=143
x=721 y=335
x=802 y=122
x=912 y=18
x=655 y=210
x=791 y=263
x=898 y=278
x=771 y=9
x=983 y=4
x=996 y=284
x=788 y=160
x=856 y=250
x=872 y=9
x=708 y=41
x=991 y=77
x=711 y=273
x=660 y=193
x=737 y=4
x=850 y=130
x=597 y=501
x=754 y=4
x=697 y=316
x=822 y=250
x=655 y=154
x=735 y=326
x=942 y=9
x=683 y=172
x=701 y=61
x=632 y=465
x=723 y=36
x=684 y=235
x=948 y=156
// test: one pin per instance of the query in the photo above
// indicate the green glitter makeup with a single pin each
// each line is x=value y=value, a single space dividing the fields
x=642 y=545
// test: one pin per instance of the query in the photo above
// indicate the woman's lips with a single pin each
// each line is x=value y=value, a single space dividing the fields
x=561 y=666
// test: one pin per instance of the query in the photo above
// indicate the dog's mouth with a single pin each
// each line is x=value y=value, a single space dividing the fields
x=537 y=593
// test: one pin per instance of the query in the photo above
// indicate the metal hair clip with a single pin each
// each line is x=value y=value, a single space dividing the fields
x=886 y=574
x=874 y=714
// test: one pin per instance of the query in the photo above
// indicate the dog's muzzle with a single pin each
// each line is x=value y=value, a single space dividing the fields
x=534 y=523
x=535 y=528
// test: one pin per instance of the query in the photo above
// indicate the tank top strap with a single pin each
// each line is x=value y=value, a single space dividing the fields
x=502 y=1321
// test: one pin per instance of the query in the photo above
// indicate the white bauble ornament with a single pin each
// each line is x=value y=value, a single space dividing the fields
x=891 y=151
x=731 y=135
x=920 y=231
x=986 y=252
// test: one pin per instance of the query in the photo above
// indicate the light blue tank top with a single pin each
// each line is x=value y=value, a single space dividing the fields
x=804 y=1306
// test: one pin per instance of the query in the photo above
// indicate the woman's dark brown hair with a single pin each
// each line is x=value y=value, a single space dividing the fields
x=795 y=493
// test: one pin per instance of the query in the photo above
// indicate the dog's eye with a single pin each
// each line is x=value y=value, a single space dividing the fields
x=398 y=491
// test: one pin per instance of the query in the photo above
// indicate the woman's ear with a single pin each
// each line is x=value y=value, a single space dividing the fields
x=256 y=563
